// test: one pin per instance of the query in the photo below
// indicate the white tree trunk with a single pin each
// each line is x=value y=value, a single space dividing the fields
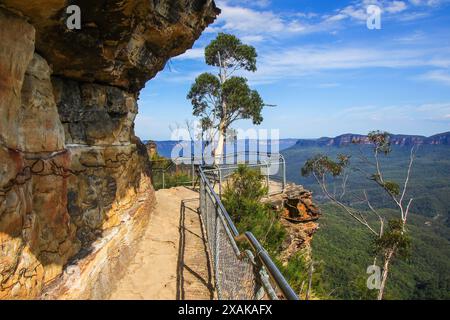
x=218 y=151
x=384 y=275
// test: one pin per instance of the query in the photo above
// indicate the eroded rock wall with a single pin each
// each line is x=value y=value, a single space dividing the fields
x=75 y=191
x=299 y=217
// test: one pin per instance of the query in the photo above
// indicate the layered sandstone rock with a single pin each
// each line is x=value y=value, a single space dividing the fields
x=122 y=43
x=299 y=217
x=75 y=190
x=152 y=148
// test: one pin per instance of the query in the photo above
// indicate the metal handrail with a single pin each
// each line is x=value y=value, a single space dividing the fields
x=265 y=158
x=261 y=253
x=164 y=170
x=201 y=159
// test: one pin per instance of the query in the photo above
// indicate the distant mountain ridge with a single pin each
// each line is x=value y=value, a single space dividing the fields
x=396 y=139
x=165 y=147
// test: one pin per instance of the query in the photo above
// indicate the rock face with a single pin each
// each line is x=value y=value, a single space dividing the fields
x=122 y=43
x=299 y=217
x=75 y=189
x=395 y=139
x=152 y=148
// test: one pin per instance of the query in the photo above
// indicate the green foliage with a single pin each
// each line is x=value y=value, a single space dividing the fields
x=242 y=199
x=390 y=187
x=425 y=274
x=205 y=94
x=320 y=165
x=245 y=183
x=341 y=245
x=171 y=179
x=296 y=272
x=241 y=101
x=428 y=185
x=158 y=162
x=394 y=238
x=232 y=52
x=381 y=141
x=174 y=175
x=219 y=100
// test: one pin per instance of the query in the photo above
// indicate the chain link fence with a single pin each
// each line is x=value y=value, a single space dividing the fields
x=239 y=275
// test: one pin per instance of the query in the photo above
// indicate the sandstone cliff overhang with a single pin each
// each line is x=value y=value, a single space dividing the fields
x=75 y=189
x=122 y=43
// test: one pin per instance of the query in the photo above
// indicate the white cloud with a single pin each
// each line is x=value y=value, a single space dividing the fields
x=192 y=54
x=395 y=7
x=358 y=11
x=297 y=62
x=411 y=38
x=441 y=76
x=412 y=16
x=254 y=22
x=398 y=118
x=355 y=13
x=406 y=113
x=434 y=111
x=248 y=18
x=254 y=3
x=430 y=3
x=300 y=61
x=252 y=39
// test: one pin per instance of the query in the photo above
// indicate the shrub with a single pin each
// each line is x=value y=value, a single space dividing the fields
x=242 y=199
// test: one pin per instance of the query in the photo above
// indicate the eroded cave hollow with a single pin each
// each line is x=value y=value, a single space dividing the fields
x=75 y=192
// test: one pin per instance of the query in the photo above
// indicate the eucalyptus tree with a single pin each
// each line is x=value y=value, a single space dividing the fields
x=390 y=235
x=221 y=99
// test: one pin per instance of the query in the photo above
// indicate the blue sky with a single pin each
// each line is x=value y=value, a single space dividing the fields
x=325 y=71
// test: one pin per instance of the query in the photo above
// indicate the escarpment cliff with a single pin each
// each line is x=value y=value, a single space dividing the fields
x=75 y=191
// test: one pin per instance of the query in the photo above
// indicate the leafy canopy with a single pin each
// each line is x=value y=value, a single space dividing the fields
x=395 y=238
x=320 y=165
x=219 y=100
x=229 y=52
x=381 y=141
x=207 y=96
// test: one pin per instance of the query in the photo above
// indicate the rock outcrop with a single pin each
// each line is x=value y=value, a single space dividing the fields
x=75 y=189
x=152 y=148
x=299 y=218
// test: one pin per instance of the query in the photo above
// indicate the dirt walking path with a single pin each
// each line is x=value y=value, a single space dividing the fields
x=172 y=260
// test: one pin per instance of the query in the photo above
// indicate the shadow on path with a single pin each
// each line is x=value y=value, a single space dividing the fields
x=194 y=276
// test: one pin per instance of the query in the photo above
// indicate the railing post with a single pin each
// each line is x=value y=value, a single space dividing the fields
x=216 y=246
x=220 y=182
x=192 y=171
x=164 y=179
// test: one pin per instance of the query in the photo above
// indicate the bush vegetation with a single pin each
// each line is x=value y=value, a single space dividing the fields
x=174 y=175
x=242 y=199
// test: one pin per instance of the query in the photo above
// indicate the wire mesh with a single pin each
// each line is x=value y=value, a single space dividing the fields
x=235 y=273
x=271 y=166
